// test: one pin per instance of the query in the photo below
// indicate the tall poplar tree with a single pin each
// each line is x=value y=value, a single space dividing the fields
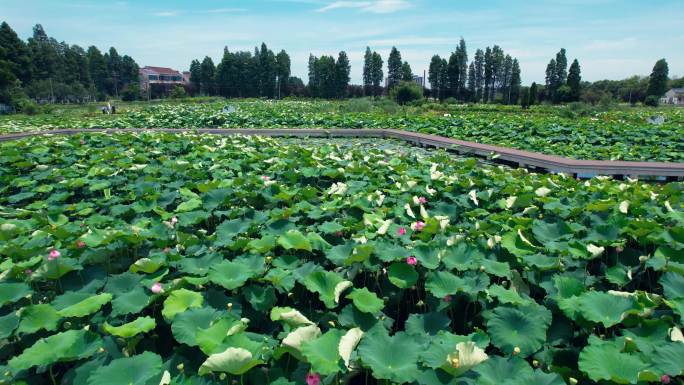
x=394 y=64
x=657 y=82
x=574 y=81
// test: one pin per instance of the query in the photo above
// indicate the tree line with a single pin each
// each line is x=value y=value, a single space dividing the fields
x=492 y=76
x=244 y=74
x=47 y=70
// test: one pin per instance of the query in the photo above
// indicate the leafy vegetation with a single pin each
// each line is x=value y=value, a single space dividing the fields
x=155 y=258
x=566 y=131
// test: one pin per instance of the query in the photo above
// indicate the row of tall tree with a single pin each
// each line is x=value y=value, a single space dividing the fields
x=491 y=76
x=243 y=74
x=329 y=78
x=47 y=70
x=563 y=85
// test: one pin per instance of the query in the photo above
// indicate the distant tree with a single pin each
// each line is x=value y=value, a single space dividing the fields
x=15 y=54
x=131 y=92
x=195 y=74
x=472 y=82
x=394 y=65
x=207 y=72
x=342 y=74
x=367 y=71
x=406 y=72
x=574 y=81
x=677 y=83
x=657 y=83
x=514 y=88
x=561 y=67
x=488 y=74
x=479 y=74
x=177 y=92
x=376 y=73
x=551 y=80
x=462 y=65
x=405 y=92
x=267 y=69
x=435 y=76
x=283 y=72
x=533 y=94
x=525 y=98
x=98 y=69
x=296 y=86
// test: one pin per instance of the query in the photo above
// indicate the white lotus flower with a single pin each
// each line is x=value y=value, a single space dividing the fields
x=423 y=212
x=624 y=207
x=595 y=250
x=473 y=197
x=409 y=212
x=542 y=191
x=510 y=201
x=467 y=356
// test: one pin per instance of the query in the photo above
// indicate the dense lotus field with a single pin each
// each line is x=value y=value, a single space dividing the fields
x=613 y=135
x=151 y=259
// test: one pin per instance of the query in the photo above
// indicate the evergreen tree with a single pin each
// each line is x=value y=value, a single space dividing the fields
x=488 y=74
x=406 y=72
x=479 y=74
x=657 y=82
x=514 y=93
x=207 y=73
x=377 y=75
x=98 y=69
x=342 y=74
x=452 y=75
x=394 y=64
x=444 y=80
x=561 y=67
x=313 y=81
x=551 y=80
x=283 y=72
x=367 y=70
x=472 y=82
x=574 y=81
x=114 y=64
x=533 y=94
x=16 y=54
x=462 y=67
x=267 y=72
x=195 y=74
x=435 y=76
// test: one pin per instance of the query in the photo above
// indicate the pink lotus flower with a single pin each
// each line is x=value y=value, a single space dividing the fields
x=28 y=271
x=265 y=178
x=313 y=379
x=412 y=260
x=665 y=379
x=422 y=200
x=174 y=220
x=447 y=298
x=166 y=250
x=157 y=288
x=419 y=225
x=54 y=254
x=339 y=234
x=82 y=141
x=80 y=244
x=402 y=231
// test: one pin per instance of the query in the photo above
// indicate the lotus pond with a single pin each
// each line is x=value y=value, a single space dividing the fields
x=182 y=259
x=613 y=135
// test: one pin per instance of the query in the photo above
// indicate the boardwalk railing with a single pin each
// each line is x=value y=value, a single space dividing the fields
x=520 y=158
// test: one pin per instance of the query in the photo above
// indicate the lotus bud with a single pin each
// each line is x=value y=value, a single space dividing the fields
x=643 y=258
x=573 y=381
x=180 y=366
x=67 y=325
x=331 y=323
x=482 y=268
x=222 y=376
x=516 y=350
x=535 y=363
x=289 y=295
x=100 y=350
x=455 y=363
x=269 y=259
x=420 y=303
x=229 y=306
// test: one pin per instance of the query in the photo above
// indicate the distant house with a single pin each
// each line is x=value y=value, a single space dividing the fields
x=160 y=75
x=419 y=80
x=674 y=96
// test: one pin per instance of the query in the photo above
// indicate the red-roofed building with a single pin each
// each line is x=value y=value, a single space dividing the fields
x=159 y=75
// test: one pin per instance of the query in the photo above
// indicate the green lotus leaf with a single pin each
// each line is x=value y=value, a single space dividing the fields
x=427 y=323
x=605 y=361
x=673 y=285
x=262 y=298
x=130 y=329
x=189 y=205
x=74 y=304
x=442 y=283
x=463 y=256
x=235 y=361
x=8 y=323
x=231 y=274
x=187 y=324
x=212 y=338
x=667 y=359
x=38 y=317
x=605 y=308
x=524 y=328
x=538 y=377
x=328 y=285
x=179 y=301
x=517 y=245
x=444 y=343
x=70 y=345
x=499 y=370
x=323 y=354
x=290 y=316
x=292 y=343
x=392 y=358
x=366 y=301
x=129 y=294
x=57 y=268
x=427 y=256
x=508 y=296
x=13 y=292
x=263 y=244
x=294 y=240
x=134 y=370
x=402 y=275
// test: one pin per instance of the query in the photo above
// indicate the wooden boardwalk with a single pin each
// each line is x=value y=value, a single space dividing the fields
x=513 y=157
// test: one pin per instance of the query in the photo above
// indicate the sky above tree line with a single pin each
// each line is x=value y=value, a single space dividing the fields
x=612 y=39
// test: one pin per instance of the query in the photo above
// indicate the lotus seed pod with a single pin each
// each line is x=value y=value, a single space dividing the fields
x=573 y=381
x=420 y=303
x=269 y=259
x=455 y=363
x=535 y=363
x=230 y=305
x=67 y=325
x=289 y=295
x=100 y=350
x=516 y=350
x=482 y=268
x=180 y=366
x=643 y=258
x=222 y=376
x=331 y=323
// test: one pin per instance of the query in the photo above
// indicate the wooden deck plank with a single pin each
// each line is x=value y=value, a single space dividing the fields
x=551 y=163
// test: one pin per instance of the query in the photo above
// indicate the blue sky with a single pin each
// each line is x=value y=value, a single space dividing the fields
x=612 y=39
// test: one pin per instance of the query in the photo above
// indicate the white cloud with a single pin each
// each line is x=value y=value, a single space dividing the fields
x=376 y=6
x=166 y=14
x=225 y=10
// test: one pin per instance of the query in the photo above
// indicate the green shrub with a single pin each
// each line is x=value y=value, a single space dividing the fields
x=387 y=106
x=406 y=92
x=652 y=101
x=358 y=105
x=27 y=106
x=131 y=92
x=177 y=92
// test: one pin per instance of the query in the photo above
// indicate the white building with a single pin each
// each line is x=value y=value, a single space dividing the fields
x=674 y=96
